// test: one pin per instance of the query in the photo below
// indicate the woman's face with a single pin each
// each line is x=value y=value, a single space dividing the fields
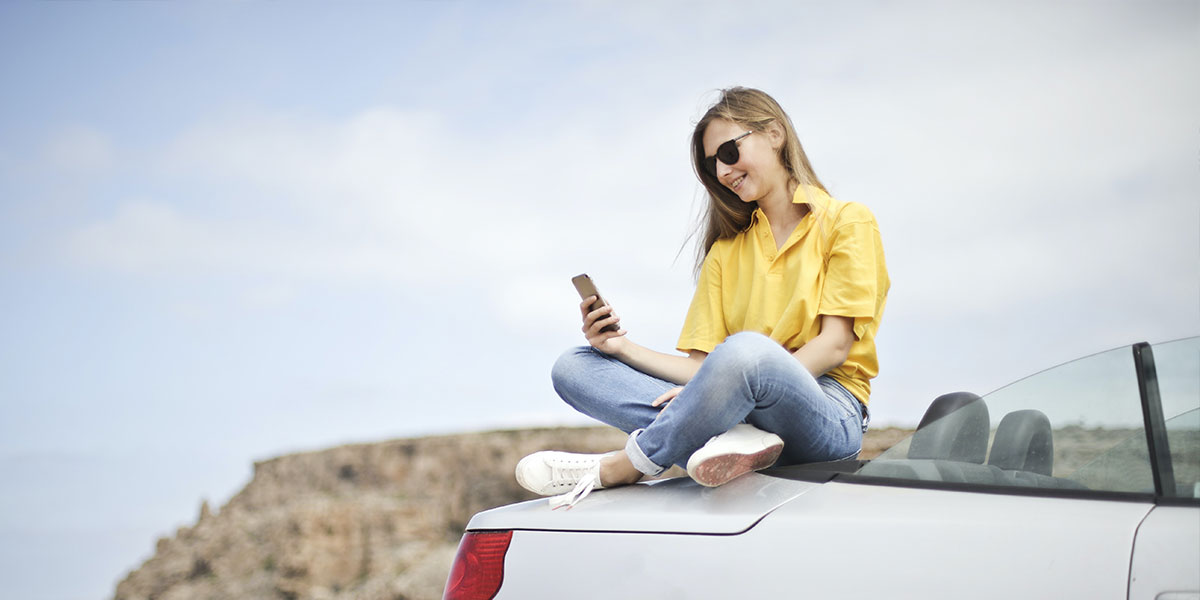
x=757 y=171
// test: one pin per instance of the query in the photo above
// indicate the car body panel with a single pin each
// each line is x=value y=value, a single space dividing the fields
x=666 y=506
x=1166 y=556
x=850 y=540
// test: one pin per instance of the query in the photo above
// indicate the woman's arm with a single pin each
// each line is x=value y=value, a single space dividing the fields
x=830 y=348
x=670 y=367
x=673 y=368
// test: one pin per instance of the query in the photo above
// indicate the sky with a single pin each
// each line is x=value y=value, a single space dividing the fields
x=235 y=230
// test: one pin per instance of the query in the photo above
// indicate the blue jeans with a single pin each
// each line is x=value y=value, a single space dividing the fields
x=748 y=378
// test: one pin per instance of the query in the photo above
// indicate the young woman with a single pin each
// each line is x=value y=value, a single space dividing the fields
x=779 y=338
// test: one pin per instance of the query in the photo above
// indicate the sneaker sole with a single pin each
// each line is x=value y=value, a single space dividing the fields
x=723 y=468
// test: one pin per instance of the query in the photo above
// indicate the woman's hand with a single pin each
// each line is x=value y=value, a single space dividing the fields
x=608 y=342
x=667 y=397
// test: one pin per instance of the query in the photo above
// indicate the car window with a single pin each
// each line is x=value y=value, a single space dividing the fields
x=1178 y=368
x=1077 y=426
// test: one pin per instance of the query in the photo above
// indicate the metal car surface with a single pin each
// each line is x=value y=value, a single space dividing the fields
x=1082 y=481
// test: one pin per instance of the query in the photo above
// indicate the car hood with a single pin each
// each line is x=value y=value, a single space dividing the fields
x=667 y=506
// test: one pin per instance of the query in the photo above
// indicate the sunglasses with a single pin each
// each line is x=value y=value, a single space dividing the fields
x=726 y=153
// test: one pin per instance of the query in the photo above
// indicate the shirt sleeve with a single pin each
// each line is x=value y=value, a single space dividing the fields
x=852 y=276
x=704 y=326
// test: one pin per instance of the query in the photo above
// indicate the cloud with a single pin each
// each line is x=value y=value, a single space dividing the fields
x=152 y=238
x=391 y=197
x=78 y=150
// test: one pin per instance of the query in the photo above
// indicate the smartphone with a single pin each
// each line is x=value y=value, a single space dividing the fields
x=585 y=287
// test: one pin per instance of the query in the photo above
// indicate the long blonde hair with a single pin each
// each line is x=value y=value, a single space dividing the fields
x=727 y=215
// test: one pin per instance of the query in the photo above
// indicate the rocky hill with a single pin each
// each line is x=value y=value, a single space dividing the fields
x=367 y=521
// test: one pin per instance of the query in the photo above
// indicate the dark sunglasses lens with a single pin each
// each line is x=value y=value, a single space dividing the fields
x=728 y=153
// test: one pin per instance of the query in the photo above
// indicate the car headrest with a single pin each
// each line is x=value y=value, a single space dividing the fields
x=955 y=427
x=1024 y=442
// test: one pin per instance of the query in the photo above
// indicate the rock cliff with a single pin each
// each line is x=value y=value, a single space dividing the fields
x=367 y=521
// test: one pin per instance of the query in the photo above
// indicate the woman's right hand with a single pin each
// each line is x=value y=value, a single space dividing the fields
x=608 y=342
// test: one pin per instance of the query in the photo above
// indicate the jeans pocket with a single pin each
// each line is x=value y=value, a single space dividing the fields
x=848 y=402
x=840 y=396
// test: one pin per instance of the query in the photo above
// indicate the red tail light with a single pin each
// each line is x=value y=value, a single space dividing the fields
x=478 y=568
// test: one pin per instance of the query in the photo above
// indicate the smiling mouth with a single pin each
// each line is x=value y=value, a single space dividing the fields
x=737 y=183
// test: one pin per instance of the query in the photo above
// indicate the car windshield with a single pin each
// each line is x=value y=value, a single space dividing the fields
x=1077 y=426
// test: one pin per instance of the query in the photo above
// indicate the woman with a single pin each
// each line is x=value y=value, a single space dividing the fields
x=780 y=335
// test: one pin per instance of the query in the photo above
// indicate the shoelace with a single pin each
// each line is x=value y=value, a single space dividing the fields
x=587 y=483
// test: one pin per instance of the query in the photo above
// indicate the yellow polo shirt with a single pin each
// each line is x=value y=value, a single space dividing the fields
x=832 y=264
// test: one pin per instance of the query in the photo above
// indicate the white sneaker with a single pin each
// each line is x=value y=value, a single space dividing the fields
x=566 y=476
x=742 y=449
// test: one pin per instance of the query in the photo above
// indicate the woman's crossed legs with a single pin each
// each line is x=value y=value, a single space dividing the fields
x=748 y=378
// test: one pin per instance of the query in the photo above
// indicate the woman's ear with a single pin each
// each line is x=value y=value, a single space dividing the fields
x=776 y=134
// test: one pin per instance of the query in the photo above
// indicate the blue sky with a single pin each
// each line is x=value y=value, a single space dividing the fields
x=234 y=230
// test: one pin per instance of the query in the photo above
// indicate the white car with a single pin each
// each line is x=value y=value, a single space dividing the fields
x=1082 y=481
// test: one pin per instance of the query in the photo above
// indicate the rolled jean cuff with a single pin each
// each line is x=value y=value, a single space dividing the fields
x=639 y=459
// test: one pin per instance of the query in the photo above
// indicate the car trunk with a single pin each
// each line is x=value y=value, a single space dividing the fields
x=667 y=506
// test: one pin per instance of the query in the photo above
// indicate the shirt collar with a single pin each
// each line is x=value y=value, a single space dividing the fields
x=816 y=199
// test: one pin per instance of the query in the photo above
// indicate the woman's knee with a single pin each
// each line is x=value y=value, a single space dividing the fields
x=743 y=350
x=572 y=366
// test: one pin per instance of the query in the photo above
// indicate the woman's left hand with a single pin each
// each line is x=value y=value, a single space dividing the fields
x=667 y=397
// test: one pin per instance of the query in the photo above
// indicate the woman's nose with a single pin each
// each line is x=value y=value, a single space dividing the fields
x=723 y=169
